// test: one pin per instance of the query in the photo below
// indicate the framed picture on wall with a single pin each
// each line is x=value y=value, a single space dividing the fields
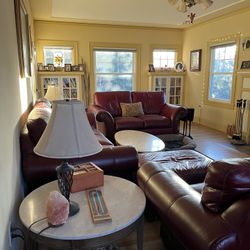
x=195 y=60
x=23 y=38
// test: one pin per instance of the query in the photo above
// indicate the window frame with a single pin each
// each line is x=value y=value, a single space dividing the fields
x=216 y=102
x=56 y=43
x=115 y=46
x=169 y=47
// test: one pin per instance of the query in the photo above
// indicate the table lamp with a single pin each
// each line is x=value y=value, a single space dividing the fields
x=53 y=93
x=67 y=135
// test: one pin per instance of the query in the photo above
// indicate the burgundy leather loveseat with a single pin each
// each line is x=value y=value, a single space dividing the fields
x=217 y=217
x=119 y=161
x=155 y=117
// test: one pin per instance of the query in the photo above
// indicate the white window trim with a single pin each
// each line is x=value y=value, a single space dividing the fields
x=169 y=47
x=115 y=46
x=56 y=43
x=233 y=39
x=165 y=50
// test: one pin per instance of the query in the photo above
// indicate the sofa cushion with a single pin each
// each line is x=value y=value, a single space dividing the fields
x=131 y=109
x=155 y=121
x=37 y=121
x=111 y=100
x=226 y=182
x=152 y=102
x=128 y=123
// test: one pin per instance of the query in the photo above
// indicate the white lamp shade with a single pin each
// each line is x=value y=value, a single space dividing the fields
x=68 y=133
x=181 y=6
x=53 y=93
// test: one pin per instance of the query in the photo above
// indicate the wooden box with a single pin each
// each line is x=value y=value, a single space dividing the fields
x=86 y=176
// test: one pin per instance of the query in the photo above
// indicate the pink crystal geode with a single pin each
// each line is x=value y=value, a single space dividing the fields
x=57 y=208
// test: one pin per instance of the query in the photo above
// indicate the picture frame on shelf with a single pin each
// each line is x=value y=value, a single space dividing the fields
x=23 y=38
x=245 y=65
x=75 y=67
x=179 y=67
x=82 y=67
x=67 y=67
x=40 y=67
x=151 y=68
x=51 y=67
x=195 y=60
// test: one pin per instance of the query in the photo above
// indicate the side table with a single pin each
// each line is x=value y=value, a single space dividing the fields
x=125 y=202
x=188 y=122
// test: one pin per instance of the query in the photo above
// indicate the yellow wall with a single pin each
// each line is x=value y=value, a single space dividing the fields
x=87 y=33
x=197 y=37
x=12 y=112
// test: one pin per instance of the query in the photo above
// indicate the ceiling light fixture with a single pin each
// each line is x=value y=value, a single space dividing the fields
x=184 y=5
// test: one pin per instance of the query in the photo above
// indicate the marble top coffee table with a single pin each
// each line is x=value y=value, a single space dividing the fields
x=125 y=202
x=142 y=141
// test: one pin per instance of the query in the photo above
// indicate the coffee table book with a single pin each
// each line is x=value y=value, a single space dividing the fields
x=86 y=176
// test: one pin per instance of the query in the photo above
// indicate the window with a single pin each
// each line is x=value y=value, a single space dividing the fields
x=164 y=58
x=114 y=69
x=57 y=52
x=57 y=55
x=222 y=63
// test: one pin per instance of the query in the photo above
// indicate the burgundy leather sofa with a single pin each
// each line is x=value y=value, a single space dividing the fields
x=158 y=118
x=217 y=217
x=119 y=161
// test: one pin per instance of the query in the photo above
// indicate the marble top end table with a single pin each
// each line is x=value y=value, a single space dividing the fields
x=125 y=202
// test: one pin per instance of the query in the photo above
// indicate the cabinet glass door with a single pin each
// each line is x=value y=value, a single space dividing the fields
x=49 y=81
x=70 y=87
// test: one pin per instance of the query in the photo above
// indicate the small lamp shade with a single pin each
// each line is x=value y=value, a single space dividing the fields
x=68 y=133
x=53 y=93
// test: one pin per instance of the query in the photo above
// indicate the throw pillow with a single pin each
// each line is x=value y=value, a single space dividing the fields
x=37 y=122
x=131 y=109
x=226 y=182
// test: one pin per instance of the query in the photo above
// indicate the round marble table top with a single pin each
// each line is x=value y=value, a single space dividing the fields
x=142 y=141
x=125 y=202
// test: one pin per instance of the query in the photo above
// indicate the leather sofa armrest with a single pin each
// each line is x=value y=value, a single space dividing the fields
x=121 y=161
x=95 y=108
x=174 y=113
x=91 y=118
x=182 y=212
x=104 y=116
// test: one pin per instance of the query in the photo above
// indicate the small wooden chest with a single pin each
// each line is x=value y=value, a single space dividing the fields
x=86 y=176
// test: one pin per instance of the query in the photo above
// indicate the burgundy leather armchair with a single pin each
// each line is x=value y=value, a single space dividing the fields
x=217 y=218
x=121 y=161
x=158 y=118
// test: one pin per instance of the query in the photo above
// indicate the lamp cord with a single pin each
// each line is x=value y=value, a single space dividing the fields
x=34 y=244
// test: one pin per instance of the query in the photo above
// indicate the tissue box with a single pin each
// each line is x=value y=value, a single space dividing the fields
x=86 y=176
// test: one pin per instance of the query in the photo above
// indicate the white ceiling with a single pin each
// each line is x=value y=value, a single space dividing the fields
x=157 y=13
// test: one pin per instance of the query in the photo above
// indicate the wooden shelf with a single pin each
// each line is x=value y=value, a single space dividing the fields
x=60 y=73
x=166 y=73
